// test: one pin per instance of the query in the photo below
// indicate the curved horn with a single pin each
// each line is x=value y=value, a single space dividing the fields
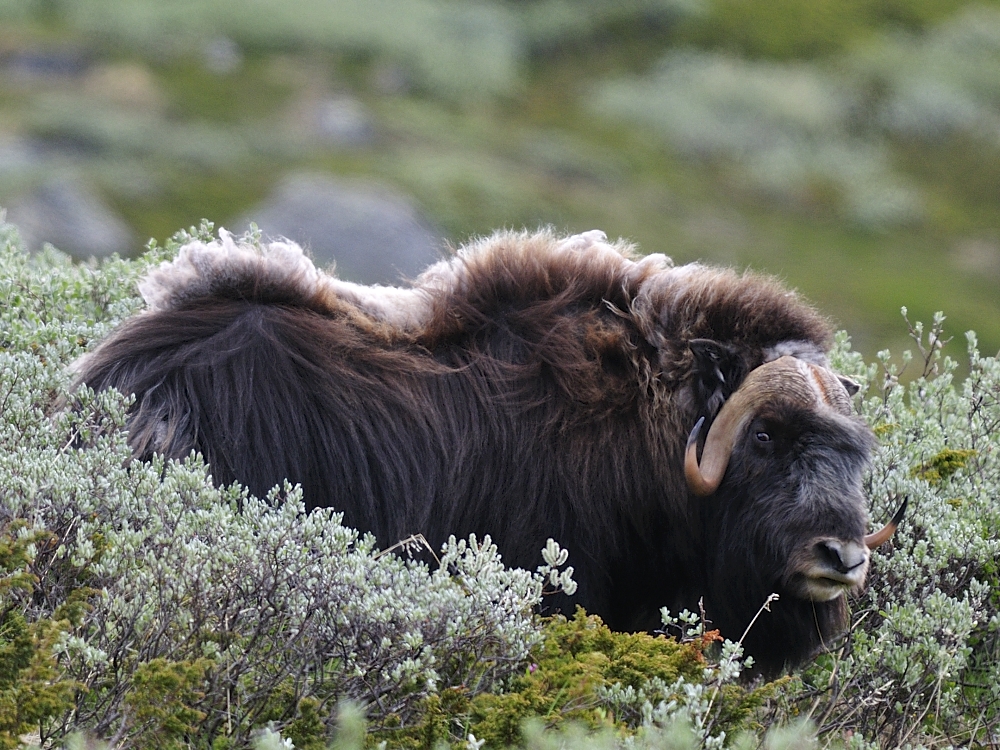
x=704 y=478
x=692 y=472
x=883 y=535
x=784 y=377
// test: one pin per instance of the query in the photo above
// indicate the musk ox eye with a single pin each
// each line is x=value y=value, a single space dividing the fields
x=763 y=432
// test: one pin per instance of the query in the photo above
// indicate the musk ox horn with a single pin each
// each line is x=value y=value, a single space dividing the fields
x=785 y=378
x=883 y=535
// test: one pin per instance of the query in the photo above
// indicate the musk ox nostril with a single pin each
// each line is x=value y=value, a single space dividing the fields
x=841 y=557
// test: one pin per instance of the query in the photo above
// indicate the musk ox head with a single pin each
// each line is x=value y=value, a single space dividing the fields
x=780 y=481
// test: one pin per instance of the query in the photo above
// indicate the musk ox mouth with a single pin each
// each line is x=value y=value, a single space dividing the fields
x=825 y=587
x=826 y=568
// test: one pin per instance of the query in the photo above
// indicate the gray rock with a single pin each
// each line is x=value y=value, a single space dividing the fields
x=71 y=215
x=374 y=234
x=222 y=56
x=391 y=80
x=18 y=157
x=343 y=121
x=36 y=65
x=330 y=120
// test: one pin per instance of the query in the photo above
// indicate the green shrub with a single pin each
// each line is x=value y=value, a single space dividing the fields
x=820 y=133
x=549 y=23
x=457 y=50
x=936 y=84
x=781 y=29
x=925 y=648
x=33 y=686
x=140 y=603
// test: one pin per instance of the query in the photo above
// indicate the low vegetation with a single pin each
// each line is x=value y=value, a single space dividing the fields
x=142 y=607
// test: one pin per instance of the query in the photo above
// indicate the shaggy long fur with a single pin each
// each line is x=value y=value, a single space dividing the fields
x=530 y=387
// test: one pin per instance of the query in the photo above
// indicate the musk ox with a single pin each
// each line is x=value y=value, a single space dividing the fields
x=678 y=429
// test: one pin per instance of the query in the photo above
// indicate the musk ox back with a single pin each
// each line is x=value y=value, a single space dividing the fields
x=530 y=387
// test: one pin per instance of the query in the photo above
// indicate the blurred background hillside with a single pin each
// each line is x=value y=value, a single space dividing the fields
x=851 y=147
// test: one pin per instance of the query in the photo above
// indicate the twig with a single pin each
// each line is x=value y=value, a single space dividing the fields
x=765 y=606
x=414 y=541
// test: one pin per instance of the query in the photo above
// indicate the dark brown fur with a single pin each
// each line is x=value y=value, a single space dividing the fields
x=546 y=395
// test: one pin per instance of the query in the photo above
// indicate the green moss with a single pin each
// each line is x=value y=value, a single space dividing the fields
x=562 y=688
x=783 y=29
x=885 y=429
x=186 y=197
x=307 y=726
x=163 y=700
x=248 y=93
x=578 y=656
x=938 y=468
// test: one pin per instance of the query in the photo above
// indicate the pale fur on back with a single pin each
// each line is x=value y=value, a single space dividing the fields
x=659 y=294
x=201 y=268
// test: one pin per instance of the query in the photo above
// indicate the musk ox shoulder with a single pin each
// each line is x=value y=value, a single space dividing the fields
x=677 y=428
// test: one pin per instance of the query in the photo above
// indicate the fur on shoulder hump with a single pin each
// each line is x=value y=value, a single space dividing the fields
x=522 y=255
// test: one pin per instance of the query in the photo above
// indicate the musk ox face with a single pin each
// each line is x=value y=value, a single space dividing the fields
x=797 y=485
x=780 y=475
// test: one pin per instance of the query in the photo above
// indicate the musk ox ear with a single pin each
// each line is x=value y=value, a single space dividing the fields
x=718 y=372
x=849 y=385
